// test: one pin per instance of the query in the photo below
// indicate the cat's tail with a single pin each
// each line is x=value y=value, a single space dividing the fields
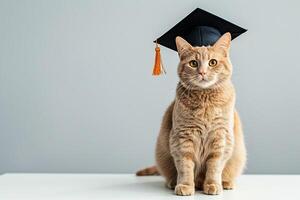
x=149 y=171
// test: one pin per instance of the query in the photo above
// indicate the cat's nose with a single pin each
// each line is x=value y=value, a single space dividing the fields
x=202 y=71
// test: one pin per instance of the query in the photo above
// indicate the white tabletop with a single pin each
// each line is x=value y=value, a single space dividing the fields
x=128 y=186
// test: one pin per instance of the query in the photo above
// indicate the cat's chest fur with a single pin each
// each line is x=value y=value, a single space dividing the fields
x=202 y=120
x=199 y=116
x=204 y=110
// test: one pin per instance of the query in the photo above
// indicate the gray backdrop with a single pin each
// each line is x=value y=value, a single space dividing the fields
x=77 y=95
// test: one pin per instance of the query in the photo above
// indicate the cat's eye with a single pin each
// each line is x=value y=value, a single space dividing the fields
x=193 y=63
x=213 y=62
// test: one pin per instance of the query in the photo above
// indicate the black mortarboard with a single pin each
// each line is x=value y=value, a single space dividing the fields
x=199 y=28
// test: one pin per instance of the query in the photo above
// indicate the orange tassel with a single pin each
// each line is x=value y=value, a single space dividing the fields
x=158 y=68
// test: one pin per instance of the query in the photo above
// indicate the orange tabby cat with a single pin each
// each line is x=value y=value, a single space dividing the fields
x=200 y=144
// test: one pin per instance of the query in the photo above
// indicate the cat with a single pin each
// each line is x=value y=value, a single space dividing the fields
x=201 y=143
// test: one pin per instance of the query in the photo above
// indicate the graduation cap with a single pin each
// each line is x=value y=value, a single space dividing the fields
x=199 y=28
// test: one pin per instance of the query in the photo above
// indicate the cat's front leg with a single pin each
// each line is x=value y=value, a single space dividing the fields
x=213 y=182
x=215 y=165
x=183 y=154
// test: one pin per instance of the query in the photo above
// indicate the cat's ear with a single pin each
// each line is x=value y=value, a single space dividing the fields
x=182 y=45
x=223 y=42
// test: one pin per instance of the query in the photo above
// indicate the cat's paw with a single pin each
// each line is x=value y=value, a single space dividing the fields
x=212 y=188
x=184 y=190
x=228 y=185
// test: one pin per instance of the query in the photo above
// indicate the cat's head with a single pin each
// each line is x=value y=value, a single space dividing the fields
x=206 y=66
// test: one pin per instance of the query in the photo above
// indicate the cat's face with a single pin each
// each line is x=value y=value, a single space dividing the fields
x=204 y=67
